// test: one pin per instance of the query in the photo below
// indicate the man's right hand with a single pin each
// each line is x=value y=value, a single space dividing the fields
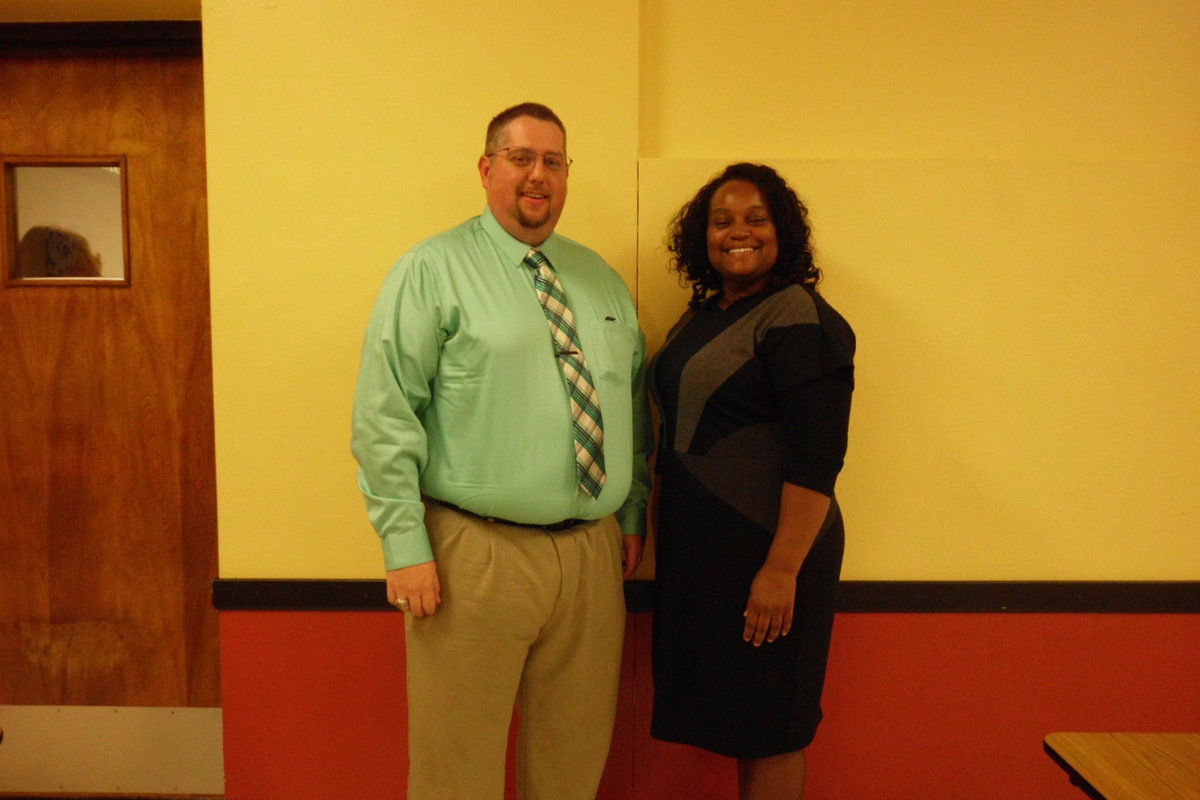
x=419 y=585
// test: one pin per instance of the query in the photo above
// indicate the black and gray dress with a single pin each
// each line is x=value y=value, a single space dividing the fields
x=751 y=397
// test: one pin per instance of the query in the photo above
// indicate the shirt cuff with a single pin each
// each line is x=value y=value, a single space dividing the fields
x=406 y=549
x=632 y=519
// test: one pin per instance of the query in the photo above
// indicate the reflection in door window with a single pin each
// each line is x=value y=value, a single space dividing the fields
x=46 y=251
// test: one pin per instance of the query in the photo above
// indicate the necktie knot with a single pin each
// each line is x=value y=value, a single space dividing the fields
x=536 y=259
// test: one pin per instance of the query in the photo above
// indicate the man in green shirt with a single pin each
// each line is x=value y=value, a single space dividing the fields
x=501 y=431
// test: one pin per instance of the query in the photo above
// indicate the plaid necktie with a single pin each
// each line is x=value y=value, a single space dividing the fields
x=585 y=403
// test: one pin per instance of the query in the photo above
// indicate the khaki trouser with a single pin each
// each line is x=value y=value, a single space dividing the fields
x=527 y=616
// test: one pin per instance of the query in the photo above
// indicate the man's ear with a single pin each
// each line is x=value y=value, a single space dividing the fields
x=485 y=169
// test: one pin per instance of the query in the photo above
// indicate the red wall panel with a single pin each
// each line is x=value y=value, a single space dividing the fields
x=957 y=705
x=313 y=705
x=917 y=705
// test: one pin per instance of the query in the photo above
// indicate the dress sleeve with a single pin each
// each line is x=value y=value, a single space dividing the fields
x=399 y=361
x=811 y=371
x=816 y=421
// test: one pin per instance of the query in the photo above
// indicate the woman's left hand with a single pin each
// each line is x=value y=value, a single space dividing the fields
x=769 y=609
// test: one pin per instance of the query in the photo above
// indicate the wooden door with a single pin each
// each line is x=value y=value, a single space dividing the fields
x=107 y=485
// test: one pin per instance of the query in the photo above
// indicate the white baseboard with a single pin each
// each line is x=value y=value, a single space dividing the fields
x=111 y=749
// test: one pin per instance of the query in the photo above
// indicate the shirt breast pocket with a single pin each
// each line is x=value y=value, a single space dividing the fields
x=615 y=351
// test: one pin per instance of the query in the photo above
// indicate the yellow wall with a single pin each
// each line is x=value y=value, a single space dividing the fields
x=339 y=134
x=1004 y=197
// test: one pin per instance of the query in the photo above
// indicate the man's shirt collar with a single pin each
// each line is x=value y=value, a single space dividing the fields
x=514 y=249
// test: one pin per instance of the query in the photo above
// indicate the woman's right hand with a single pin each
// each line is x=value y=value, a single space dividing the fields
x=770 y=607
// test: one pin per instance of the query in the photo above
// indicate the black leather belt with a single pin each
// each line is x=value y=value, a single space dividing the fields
x=553 y=527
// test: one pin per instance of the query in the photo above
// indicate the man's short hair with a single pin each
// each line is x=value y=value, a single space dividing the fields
x=495 y=129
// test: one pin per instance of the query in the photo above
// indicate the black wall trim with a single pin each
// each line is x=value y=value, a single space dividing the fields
x=100 y=39
x=1118 y=597
x=985 y=597
x=300 y=595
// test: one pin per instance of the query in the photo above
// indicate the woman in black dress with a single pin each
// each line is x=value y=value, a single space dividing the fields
x=754 y=387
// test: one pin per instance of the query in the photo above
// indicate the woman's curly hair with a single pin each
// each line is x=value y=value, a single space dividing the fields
x=687 y=237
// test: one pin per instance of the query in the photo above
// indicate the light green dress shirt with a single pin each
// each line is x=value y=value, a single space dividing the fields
x=460 y=396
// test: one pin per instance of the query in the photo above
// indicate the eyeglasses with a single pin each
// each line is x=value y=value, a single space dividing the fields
x=524 y=158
